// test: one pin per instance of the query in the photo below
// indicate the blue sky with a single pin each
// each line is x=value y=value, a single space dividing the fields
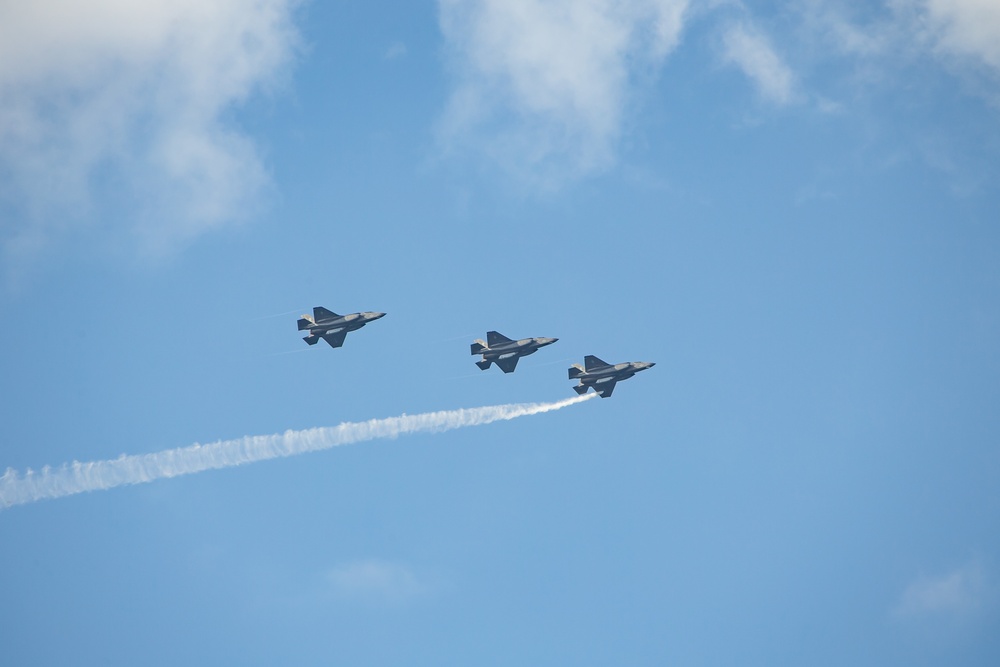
x=790 y=207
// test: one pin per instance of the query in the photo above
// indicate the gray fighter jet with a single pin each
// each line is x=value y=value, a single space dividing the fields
x=602 y=376
x=504 y=351
x=331 y=327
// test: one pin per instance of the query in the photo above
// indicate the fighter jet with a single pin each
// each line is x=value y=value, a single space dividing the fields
x=602 y=376
x=504 y=351
x=331 y=327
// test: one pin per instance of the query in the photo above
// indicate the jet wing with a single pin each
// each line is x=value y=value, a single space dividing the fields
x=321 y=313
x=507 y=365
x=591 y=363
x=495 y=338
x=335 y=339
x=606 y=388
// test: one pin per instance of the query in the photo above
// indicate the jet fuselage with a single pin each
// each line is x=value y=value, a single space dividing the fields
x=521 y=348
x=351 y=322
x=602 y=376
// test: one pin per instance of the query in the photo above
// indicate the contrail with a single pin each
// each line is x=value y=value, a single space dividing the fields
x=79 y=477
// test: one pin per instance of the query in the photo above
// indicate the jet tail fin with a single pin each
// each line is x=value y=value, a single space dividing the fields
x=575 y=371
x=312 y=340
x=483 y=365
x=478 y=346
x=305 y=322
x=580 y=389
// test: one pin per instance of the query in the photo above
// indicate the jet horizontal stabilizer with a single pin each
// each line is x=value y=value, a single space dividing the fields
x=478 y=346
x=305 y=322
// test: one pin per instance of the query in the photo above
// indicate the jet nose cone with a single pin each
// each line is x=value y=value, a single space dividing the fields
x=549 y=341
x=375 y=316
x=650 y=364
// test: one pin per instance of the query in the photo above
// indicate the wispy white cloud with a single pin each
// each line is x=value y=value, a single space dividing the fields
x=965 y=33
x=845 y=58
x=542 y=87
x=831 y=30
x=377 y=582
x=967 y=28
x=109 y=100
x=751 y=51
x=852 y=39
x=958 y=592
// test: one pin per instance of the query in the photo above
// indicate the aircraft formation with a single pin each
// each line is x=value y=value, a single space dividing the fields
x=496 y=349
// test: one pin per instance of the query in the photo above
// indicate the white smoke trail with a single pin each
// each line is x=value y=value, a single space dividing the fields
x=79 y=477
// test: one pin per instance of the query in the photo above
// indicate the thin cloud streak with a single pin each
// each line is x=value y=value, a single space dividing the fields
x=376 y=582
x=79 y=477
